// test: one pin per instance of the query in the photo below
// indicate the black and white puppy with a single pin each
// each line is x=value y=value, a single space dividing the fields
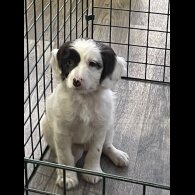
x=80 y=111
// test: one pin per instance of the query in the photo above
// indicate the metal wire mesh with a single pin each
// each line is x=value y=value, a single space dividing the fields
x=79 y=170
x=147 y=33
x=48 y=24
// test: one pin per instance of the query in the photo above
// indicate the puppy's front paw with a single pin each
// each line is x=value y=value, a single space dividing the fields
x=120 y=158
x=71 y=180
x=92 y=178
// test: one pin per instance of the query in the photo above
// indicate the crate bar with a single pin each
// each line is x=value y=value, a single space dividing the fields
x=87 y=22
x=151 y=64
x=57 y=12
x=160 y=65
x=148 y=26
x=64 y=180
x=70 y=19
x=36 y=54
x=85 y=171
x=92 y=29
x=43 y=43
x=104 y=186
x=28 y=63
x=43 y=55
x=76 y=12
x=26 y=176
x=144 y=190
x=36 y=71
x=166 y=42
x=82 y=17
x=134 y=28
x=38 y=191
x=146 y=80
x=110 y=33
x=128 y=38
x=158 y=13
x=133 y=45
x=51 y=42
x=143 y=63
x=64 y=20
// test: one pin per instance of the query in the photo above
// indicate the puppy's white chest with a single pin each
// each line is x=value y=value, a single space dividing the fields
x=86 y=115
x=83 y=128
x=86 y=123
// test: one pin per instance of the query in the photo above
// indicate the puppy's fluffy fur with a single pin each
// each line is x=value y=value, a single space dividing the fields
x=80 y=111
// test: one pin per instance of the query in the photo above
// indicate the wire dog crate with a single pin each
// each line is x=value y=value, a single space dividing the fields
x=49 y=23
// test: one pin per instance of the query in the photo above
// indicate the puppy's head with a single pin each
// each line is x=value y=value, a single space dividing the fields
x=85 y=65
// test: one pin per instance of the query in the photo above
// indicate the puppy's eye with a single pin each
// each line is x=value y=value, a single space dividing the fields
x=69 y=62
x=94 y=64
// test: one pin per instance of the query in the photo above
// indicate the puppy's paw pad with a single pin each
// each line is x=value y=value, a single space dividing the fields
x=71 y=181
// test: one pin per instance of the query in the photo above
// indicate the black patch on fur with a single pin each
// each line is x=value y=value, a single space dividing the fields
x=109 y=60
x=68 y=58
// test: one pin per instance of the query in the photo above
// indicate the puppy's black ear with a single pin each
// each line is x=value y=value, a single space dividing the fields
x=113 y=67
x=54 y=65
x=62 y=55
x=57 y=61
x=109 y=60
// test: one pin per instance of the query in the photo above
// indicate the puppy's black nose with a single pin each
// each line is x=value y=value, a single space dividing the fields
x=76 y=83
